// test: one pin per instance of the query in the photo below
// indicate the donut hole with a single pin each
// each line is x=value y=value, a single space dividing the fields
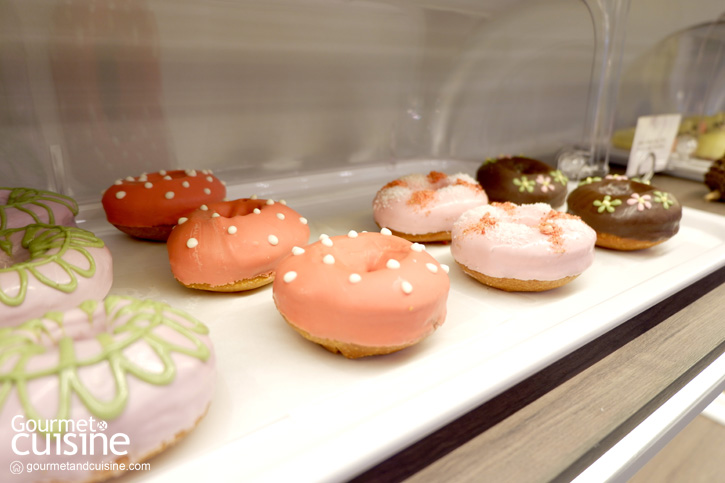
x=379 y=261
x=231 y=210
x=14 y=255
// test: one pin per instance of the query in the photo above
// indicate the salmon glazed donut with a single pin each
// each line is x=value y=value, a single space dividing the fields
x=422 y=208
x=25 y=206
x=47 y=267
x=522 y=180
x=101 y=384
x=362 y=294
x=522 y=248
x=148 y=206
x=234 y=245
x=626 y=214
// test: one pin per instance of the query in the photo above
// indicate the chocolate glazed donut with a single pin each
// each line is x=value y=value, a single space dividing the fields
x=626 y=214
x=522 y=180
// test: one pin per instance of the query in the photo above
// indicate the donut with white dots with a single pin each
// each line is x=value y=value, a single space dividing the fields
x=232 y=246
x=362 y=294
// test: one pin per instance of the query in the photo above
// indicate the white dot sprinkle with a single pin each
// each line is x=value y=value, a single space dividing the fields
x=148 y=185
x=204 y=171
x=182 y=220
x=256 y=211
x=355 y=278
x=209 y=179
x=143 y=178
x=327 y=242
x=323 y=236
x=192 y=242
x=118 y=182
x=445 y=267
x=215 y=215
x=328 y=259
x=191 y=172
x=203 y=208
x=280 y=216
x=406 y=286
x=120 y=195
x=224 y=183
x=185 y=184
x=393 y=263
x=169 y=195
x=432 y=267
x=207 y=191
x=283 y=202
x=297 y=251
x=129 y=178
x=273 y=240
x=253 y=197
x=385 y=231
x=167 y=178
x=352 y=234
x=289 y=276
x=232 y=230
x=417 y=247
x=270 y=202
x=303 y=220
x=162 y=172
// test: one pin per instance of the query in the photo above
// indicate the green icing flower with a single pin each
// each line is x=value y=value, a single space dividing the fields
x=607 y=204
x=489 y=161
x=589 y=180
x=559 y=177
x=525 y=184
x=664 y=198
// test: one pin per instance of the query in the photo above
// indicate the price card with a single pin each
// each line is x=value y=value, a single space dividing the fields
x=652 y=144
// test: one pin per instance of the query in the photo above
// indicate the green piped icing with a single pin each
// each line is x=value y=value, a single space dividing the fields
x=39 y=240
x=589 y=180
x=127 y=321
x=20 y=197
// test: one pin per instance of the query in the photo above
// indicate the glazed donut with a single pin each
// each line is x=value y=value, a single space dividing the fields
x=522 y=180
x=522 y=248
x=50 y=267
x=234 y=245
x=25 y=206
x=422 y=208
x=626 y=214
x=139 y=372
x=362 y=294
x=149 y=206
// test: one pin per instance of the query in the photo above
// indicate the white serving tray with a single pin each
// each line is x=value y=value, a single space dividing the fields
x=287 y=410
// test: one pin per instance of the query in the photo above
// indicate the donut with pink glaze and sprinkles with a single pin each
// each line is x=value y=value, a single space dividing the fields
x=149 y=205
x=522 y=248
x=362 y=294
x=422 y=208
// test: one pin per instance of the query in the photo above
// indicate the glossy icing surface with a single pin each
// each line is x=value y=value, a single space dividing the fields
x=368 y=289
x=522 y=180
x=234 y=240
x=25 y=206
x=418 y=204
x=526 y=242
x=160 y=198
x=626 y=208
x=46 y=267
x=144 y=368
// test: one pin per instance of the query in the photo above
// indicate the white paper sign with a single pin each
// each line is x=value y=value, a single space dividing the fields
x=652 y=144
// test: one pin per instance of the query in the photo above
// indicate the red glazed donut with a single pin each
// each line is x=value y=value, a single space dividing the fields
x=149 y=206
x=522 y=180
x=362 y=294
x=234 y=245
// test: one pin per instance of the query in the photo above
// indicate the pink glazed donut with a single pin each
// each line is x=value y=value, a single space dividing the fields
x=422 y=208
x=46 y=267
x=25 y=206
x=522 y=248
x=125 y=377
x=362 y=294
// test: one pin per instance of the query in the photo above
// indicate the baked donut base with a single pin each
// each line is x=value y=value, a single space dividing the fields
x=238 y=286
x=439 y=236
x=607 y=240
x=516 y=285
x=155 y=233
x=104 y=475
x=350 y=350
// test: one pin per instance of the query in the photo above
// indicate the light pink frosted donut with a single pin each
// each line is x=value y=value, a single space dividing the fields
x=133 y=372
x=25 y=206
x=423 y=208
x=522 y=247
x=46 y=267
x=362 y=294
